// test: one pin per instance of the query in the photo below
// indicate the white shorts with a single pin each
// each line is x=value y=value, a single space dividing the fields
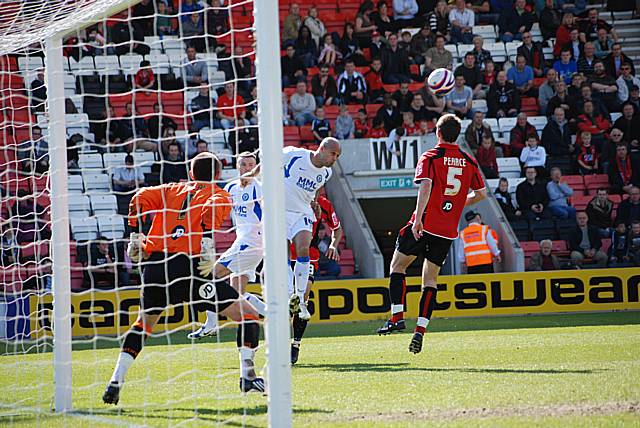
x=242 y=260
x=297 y=222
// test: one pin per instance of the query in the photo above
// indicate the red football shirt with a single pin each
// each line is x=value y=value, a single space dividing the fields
x=452 y=173
x=328 y=216
x=230 y=107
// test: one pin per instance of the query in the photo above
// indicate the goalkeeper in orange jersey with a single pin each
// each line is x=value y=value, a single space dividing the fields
x=180 y=238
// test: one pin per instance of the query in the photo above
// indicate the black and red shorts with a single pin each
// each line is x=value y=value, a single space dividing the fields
x=433 y=248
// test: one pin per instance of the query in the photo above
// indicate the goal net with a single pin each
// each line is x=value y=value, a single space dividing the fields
x=100 y=99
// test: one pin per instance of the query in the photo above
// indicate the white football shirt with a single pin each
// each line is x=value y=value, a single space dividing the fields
x=302 y=179
x=247 y=211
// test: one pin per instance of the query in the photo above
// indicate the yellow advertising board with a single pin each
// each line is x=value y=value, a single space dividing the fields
x=112 y=312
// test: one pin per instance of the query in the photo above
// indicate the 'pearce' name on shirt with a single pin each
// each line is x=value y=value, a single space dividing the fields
x=455 y=161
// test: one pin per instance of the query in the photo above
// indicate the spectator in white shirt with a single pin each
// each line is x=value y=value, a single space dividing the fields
x=127 y=178
x=460 y=99
x=405 y=9
x=462 y=21
x=534 y=155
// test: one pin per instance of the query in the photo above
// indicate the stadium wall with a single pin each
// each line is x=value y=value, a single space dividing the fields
x=111 y=312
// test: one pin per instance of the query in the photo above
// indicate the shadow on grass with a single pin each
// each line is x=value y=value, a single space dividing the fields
x=202 y=413
x=399 y=367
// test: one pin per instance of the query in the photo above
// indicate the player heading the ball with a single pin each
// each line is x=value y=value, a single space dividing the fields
x=449 y=180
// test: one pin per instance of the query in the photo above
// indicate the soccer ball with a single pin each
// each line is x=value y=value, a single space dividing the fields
x=441 y=81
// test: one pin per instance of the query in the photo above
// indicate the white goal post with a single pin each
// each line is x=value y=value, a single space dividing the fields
x=47 y=22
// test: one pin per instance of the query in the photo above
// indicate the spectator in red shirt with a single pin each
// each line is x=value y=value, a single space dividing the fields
x=144 y=78
x=486 y=156
x=593 y=122
x=361 y=124
x=588 y=157
x=373 y=79
x=410 y=127
x=230 y=106
x=378 y=130
x=563 y=35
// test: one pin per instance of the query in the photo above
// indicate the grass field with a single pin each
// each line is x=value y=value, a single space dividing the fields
x=561 y=370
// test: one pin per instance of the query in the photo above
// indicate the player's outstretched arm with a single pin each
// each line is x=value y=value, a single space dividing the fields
x=332 y=252
x=475 y=197
x=424 y=192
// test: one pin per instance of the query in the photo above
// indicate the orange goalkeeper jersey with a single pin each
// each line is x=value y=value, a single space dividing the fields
x=181 y=213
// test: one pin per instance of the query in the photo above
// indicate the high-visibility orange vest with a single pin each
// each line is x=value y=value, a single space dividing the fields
x=476 y=249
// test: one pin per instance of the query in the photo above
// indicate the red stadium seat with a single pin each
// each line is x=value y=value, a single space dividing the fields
x=580 y=202
x=331 y=112
x=594 y=182
x=306 y=135
x=530 y=247
x=576 y=182
x=530 y=106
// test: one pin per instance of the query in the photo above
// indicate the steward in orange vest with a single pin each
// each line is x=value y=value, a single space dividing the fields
x=480 y=245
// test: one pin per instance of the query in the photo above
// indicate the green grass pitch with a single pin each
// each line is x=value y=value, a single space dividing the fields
x=551 y=371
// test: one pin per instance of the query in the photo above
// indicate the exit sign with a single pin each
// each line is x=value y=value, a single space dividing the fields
x=396 y=183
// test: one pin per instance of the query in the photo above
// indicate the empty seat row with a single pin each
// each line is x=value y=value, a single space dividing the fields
x=110 y=226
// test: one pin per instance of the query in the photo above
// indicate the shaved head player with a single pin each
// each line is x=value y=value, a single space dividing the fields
x=449 y=179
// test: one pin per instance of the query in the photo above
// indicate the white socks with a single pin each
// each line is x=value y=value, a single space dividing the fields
x=260 y=306
x=396 y=309
x=301 y=273
x=247 y=370
x=122 y=366
x=212 y=319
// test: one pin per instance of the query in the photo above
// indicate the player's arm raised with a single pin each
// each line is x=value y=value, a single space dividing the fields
x=332 y=252
x=424 y=192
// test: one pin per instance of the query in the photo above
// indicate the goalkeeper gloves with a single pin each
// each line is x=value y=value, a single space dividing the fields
x=134 y=247
x=207 y=257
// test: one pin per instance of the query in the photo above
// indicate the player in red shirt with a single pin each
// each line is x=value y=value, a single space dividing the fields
x=449 y=180
x=324 y=213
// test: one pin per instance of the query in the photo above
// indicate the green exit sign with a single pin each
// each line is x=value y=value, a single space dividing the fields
x=396 y=183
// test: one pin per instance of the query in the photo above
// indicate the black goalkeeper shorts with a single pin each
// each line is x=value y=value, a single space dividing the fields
x=172 y=279
x=433 y=248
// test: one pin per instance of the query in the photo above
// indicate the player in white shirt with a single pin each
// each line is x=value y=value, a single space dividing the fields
x=240 y=261
x=305 y=172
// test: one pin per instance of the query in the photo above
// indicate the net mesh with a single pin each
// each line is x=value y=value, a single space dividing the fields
x=146 y=80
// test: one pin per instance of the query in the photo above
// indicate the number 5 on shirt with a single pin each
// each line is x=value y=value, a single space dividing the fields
x=453 y=184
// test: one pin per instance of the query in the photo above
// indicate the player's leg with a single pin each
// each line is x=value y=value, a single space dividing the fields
x=210 y=326
x=434 y=259
x=299 y=324
x=301 y=242
x=131 y=347
x=405 y=254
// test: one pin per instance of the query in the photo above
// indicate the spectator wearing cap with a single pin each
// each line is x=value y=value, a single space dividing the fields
x=377 y=45
x=513 y=23
x=292 y=24
x=352 y=88
x=590 y=27
x=629 y=209
x=532 y=53
x=628 y=124
x=565 y=66
x=532 y=197
x=615 y=59
x=462 y=21
x=324 y=87
x=395 y=62
x=503 y=98
x=626 y=82
x=127 y=178
x=480 y=246
x=585 y=243
x=600 y=211
x=293 y=70
x=522 y=77
x=544 y=260
x=519 y=134
x=558 y=192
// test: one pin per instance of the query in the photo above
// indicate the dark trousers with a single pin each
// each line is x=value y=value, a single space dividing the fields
x=480 y=269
